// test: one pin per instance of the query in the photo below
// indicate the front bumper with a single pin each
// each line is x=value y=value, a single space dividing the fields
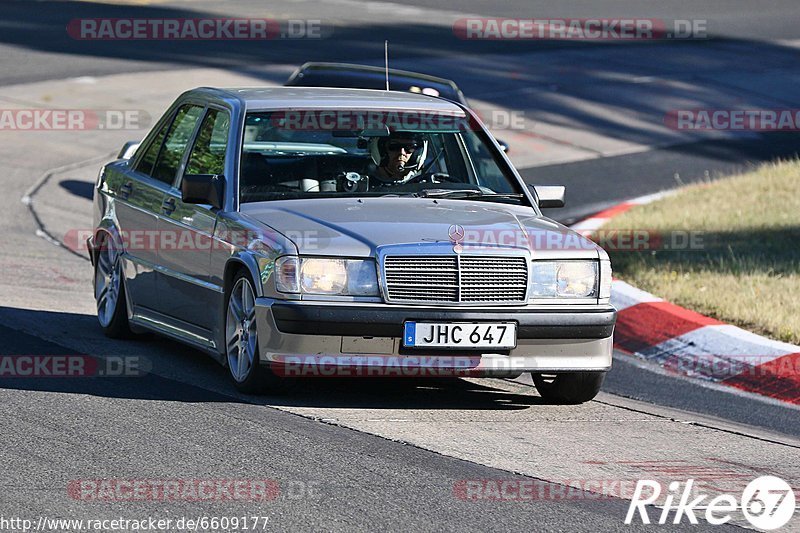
x=558 y=339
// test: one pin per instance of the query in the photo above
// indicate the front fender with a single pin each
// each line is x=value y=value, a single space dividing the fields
x=243 y=259
x=108 y=229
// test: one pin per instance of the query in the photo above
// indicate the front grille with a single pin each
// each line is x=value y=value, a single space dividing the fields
x=455 y=279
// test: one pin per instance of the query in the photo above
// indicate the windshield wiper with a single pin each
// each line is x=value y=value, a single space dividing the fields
x=462 y=193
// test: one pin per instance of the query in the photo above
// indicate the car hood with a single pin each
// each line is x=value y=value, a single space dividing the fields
x=358 y=227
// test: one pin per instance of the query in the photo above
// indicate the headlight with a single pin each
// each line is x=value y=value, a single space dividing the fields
x=564 y=279
x=327 y=276
x=342 y=277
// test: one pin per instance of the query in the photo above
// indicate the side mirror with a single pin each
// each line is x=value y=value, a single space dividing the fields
x=203 y=189
x=549 y=195
x=128 y=149
x=503 y=145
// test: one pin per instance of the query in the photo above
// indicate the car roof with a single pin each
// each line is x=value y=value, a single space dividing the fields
x=370 y=77
x=281 y=98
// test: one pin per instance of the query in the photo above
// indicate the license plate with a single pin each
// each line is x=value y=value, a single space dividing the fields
x=459 y=335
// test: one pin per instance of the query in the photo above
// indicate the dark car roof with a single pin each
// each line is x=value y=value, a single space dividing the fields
x=368 y=77
x=282 y=98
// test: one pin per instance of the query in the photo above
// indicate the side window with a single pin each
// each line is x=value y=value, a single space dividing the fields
x=208 y=152
x=145 y=165
x=488 y=173
x=438 y=150
x=175 y=144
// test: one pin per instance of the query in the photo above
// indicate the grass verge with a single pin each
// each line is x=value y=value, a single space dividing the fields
x=742 y=262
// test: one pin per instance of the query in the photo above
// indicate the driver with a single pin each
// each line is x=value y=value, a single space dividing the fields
x=399 y=157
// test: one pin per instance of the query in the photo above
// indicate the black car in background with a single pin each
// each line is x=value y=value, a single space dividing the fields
x=348 y=75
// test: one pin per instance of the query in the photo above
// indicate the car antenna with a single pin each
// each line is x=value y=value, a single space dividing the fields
x=386 y=61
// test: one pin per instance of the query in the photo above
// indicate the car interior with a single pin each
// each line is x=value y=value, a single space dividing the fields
x=283 y=163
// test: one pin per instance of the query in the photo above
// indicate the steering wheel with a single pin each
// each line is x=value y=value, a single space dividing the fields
x=434 y=177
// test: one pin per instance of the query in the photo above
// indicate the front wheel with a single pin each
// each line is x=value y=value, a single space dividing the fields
x=572 y=387
x=109 y=292
x=241 y=341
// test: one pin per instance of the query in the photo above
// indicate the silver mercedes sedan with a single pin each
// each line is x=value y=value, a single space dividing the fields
x=308 y=232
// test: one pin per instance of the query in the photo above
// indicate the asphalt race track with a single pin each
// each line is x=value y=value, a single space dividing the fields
x=376 y=455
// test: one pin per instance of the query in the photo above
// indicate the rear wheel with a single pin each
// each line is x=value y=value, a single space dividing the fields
x=572 y=387
x=241 y=341
x=109 y=292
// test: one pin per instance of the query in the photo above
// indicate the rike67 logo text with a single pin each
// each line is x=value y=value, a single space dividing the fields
x=767 y=502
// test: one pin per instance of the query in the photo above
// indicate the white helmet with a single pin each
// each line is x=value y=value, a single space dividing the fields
x=378 y=148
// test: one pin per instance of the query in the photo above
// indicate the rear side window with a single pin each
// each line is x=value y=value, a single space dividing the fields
x=171 y=154
x=208 y=152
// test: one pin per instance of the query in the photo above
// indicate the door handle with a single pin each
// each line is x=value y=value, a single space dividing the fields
x=168 y=206
x=126 y=190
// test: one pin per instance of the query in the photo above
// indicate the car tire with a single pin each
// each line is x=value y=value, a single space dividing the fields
x=569 y=388
x=109 y=292
x=241 y=342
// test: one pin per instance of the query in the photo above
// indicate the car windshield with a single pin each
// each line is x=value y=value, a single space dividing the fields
x=338 y=153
